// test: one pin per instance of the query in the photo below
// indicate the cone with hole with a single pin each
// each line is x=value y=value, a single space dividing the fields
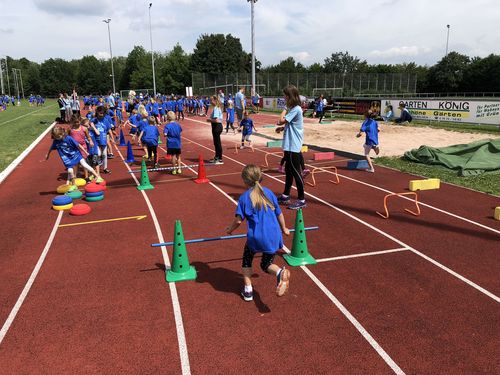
x=300 y=255
x=122 y=138
x=145 y=184
x=130 y=153
x=180 y=270
x=202 y=174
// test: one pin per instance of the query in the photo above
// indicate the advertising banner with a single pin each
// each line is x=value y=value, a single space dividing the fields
x=274 y=103
x=479 y=112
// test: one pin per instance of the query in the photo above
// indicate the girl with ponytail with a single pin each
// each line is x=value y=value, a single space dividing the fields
x=265 y=225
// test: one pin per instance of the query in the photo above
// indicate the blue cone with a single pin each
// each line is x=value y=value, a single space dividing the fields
x=130 y=154
x=122 y=138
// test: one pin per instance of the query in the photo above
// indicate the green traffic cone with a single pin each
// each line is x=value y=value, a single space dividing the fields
x=180 y=270
x=300 y=255
x=145 y=184
x=159 y=140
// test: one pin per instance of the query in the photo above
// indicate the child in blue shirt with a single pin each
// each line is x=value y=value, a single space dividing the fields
x=265 y=223
x=173 y=132
x=149 y=137
x=230 y=118
x=370 y=128
x=319 y=108
x=248 y=127
x=101 y=129
x=69 y=151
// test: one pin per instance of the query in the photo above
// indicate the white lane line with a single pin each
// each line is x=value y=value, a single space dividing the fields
x=179 y=325
x=25 y=153
x=31 y=280
x=27 y=114
x=362 y=255
x=387 y=235
x=383 y=354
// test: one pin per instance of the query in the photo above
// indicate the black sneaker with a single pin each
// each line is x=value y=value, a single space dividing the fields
x=107 y=171
x=219 y=161
x=247 y=296
x=213 y=161
x=283 y=199
x=297 y=205
x=111 y=156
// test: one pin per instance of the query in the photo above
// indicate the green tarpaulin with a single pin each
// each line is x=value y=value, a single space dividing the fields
x=471 y=159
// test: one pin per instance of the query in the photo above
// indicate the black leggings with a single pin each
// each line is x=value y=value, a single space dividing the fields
x=266 y=260
x=293 y=171
x=153 y=153
x=302 y=163
x=216 y=132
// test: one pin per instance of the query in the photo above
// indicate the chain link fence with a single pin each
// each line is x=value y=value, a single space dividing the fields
x=309 y=84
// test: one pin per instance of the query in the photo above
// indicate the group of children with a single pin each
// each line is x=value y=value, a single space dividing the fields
x=6 y=101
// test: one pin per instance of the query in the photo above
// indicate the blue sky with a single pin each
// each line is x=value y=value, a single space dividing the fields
x=379 y=31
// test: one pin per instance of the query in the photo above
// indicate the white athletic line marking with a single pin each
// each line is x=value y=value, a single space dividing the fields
x=387 y=235
x=383 y=354
x=362 y=254
x=31 y=280
x=25 y=153
x=27 y=114
x=179 y=325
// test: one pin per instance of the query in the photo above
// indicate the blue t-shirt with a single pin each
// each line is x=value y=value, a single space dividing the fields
x=103 y=126
x=238 y=98
x=173 y=133
x=150 y=135
x=216 y=114
x=319 y=105
x=68 y=151
x=230 y=115
x=370 y=128
x=263 y=229
x=180 y=105
x=247 y=125
x=293 y=136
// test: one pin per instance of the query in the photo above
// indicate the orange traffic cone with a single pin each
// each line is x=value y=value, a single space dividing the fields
x=202 y=175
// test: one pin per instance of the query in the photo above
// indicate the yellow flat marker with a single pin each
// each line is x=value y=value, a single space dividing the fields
x=497 y=213
x=427 y=184
x=140 y=217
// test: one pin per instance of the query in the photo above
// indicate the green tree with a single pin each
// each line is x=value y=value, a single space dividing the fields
x=482 y=75
x=57 y=75
x=135 y=63
x=315 y=68
x=343 y=62
x=175 y=74
x=216 y=53
x=90 y=76
x=447 y=74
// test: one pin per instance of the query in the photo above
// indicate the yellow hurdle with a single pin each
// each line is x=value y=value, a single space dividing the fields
x=428 y=184
x=304 y=149
x=497 y=213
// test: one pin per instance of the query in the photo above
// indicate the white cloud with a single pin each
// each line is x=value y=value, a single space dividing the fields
x=302 y=57
x=400 y=51
x=102 y=55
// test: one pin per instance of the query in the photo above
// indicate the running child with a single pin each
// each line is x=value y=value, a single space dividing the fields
x=370 y=128
x=70 y=152
x=230 y=118
x=248 y=128
x=149 y=137
x=265 y=225
x=81 y=135
x=172 y=133
x=101 y=130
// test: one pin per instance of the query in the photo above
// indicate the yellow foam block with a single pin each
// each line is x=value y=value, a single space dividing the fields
x=61 y=189
x=62 y=208
x=80 y=182
x=497 y=213
x=304 y=149
x=428 y=184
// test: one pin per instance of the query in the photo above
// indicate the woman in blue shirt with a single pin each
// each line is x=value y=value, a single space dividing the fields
x=265 y=223
x=291 y=123
x=216 y=121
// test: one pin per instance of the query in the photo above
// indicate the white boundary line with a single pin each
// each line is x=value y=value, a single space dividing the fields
x=388 y=360
x=387 y=235
x=26 y=114
x=7 y=171
x=31 y=280
x=179 y=325
x=362 y=255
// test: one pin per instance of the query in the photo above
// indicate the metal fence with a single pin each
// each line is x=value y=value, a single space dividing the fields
x=309 y=84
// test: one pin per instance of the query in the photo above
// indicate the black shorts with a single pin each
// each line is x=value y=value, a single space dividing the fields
x=173 y=151
x=239 y=113
x=265 y=262
x=94 y=160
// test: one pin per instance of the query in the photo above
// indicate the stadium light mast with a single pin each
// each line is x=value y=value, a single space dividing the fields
x=252 y=2
x=152 y=54
x=447 y=39
x=107 y=21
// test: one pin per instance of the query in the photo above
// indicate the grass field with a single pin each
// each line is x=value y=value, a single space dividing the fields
x=20 y=126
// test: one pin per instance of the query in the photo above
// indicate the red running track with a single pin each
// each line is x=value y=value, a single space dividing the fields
x=100 y=302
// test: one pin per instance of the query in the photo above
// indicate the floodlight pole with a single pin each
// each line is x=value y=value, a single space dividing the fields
x=152 y=54
x=21 y=79
x=252 y=2
x=7 y=73
x=2 y=89
x=107 y=21
x=447 y=39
